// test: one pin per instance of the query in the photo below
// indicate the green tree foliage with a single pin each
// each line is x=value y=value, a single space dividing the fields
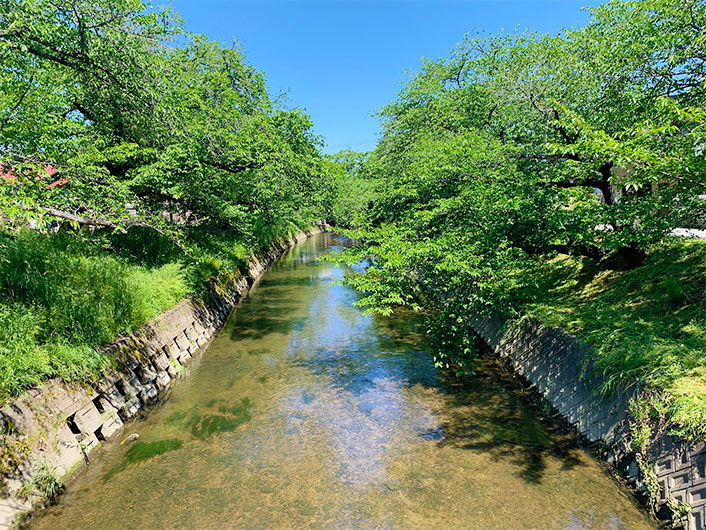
x=170 y=152
x=135 y=111
x=351 y=188
x=587 y=143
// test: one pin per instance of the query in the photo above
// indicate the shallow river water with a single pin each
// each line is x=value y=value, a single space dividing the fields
x=306 y=413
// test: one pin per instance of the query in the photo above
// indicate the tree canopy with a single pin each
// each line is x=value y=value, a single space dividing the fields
x=590 y=142
x=146 y=121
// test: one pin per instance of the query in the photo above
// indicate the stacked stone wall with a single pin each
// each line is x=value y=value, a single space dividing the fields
x=55 y=427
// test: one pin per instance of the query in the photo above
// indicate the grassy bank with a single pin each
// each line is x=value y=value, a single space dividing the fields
x=647 y=326
x=64 y=295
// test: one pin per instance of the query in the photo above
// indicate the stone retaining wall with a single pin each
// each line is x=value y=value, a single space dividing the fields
x=54 y=427
x=553 y=362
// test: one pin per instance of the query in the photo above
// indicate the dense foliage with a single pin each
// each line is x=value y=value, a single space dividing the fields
x=523 y=145
x=147 y=160
x=351 y=189
x=589 y=144
x=135 y=111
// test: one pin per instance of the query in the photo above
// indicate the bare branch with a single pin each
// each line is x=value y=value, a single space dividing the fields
x=563 y=156
x=14 y=109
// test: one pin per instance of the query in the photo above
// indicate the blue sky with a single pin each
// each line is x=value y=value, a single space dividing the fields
x=341 y=60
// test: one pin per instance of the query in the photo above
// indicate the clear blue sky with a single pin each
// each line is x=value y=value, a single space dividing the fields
x=341 y=60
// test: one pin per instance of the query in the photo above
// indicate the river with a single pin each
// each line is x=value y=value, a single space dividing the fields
x=306 y=413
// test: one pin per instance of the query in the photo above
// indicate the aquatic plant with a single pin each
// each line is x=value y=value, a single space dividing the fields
x=141 y=452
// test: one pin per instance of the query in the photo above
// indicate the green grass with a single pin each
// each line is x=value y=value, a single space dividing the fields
x=62 y=296
x=647 y=326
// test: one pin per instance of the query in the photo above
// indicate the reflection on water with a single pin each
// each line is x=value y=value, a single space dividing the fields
x=305 y=413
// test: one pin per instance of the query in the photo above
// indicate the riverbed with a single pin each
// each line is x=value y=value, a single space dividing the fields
x=306 y=413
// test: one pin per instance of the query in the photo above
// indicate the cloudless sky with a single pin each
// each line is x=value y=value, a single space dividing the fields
x=342 y=60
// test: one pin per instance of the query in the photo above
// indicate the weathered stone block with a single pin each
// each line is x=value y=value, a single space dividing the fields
x=114 y=397
x=68 y=452
x=162 y=361
x=181 y=341
x=174 y=350
x=172 y=371
x=133 y=386
x=149 y=394
x=697 y=519
x=112 y=377
x=88 y=419
x=57 y=399
x=131 y=362
x=151 y=350
x=132 y=406
x=147 y=373
x=697 y=497
x=191 y=334
x=111 y=425
x=163 y=381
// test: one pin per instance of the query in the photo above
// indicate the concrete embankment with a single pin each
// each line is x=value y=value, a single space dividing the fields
x=51 y=431
x=554 y=363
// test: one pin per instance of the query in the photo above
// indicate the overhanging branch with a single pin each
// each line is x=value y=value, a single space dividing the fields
x=588 y=183
x=104 y=223
x=561 y=156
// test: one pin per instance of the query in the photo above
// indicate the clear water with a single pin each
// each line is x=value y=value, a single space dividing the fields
x=305 y=413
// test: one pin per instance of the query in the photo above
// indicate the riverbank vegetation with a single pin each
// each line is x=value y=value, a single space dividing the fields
x=525 y=174
x=647 y=326
x=137 y=160
x=544 y=174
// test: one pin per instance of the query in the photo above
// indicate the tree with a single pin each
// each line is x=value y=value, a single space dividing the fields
x=351 y=188
x=522 y=145
x=135 y=111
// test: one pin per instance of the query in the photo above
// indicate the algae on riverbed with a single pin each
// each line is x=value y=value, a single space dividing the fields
x=141 y=452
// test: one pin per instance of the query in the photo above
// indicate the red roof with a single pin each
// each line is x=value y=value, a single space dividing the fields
x=58 y=182
x=8 y=173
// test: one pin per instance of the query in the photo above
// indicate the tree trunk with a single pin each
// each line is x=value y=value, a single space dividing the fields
x=631 y=256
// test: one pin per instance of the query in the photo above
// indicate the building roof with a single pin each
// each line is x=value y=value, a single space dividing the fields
x=50 y=173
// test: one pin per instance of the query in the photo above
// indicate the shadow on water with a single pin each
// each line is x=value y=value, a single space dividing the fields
x=267 y=320
x=269 y=312
x=494 y=413
x=278 y=284
x=489 y=412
